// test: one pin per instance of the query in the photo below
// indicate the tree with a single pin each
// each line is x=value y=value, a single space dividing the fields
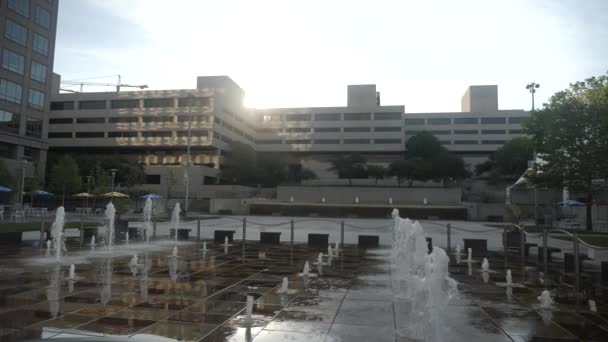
x=240 y=164
x=6 y=178
x=423 y=145
x=65 y=176
x=376 y=172
x=571 y=133
x=271 y=169
x=349 y=166
x=508 y=162
x=448 y=168
x=297 y=173
x=410 y=170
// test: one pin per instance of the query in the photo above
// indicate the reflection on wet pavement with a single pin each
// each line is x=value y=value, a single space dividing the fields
x=202 y=298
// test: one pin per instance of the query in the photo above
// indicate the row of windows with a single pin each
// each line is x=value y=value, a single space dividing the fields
x=129 y=119
x=469 y=131
x=13 y=92
x=332 y=116
x=16 y=63
x=9 y=122
x=129 y=134
x=18 y=34
x=132 y=103
x=465 y=121
x=42 y=17
x=329 y=129
x=327 y=141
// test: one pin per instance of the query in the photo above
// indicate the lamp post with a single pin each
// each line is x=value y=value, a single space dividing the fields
x=22 y=190
x=186 y=171
x=532 y=89
x=113 y=177
x=88 y=189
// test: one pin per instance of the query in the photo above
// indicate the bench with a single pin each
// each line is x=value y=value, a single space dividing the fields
x=368 y=241
x=479 y=247
x=550 y=251
x=270 y=238
x=220 y=235
x=318 y=240
x=182 y=233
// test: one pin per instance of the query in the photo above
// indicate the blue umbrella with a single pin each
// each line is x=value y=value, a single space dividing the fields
x=41 y=193
x=151 y=196
x=3 y=189
x=571 y=203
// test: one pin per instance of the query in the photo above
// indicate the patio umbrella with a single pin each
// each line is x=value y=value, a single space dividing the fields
x=571 y=203
x=41 y=193
x=84 y=195
x=3 y=189
x=115 y=194
x=151 y=196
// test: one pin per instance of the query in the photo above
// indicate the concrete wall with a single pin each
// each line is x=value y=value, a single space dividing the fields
x=313 y=194
x=236 y=206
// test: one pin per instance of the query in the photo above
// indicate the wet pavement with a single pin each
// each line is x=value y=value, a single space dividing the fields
x=196 y=297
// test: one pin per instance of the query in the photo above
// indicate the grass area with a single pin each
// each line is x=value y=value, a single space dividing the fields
x=35 y=226
x=539 y=229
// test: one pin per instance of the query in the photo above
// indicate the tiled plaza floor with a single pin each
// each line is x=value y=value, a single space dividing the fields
x=202 y=298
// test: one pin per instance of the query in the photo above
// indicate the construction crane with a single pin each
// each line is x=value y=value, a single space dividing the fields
x=118 y=85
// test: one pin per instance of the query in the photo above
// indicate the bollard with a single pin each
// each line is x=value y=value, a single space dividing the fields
x=154 y=227
x=82 y=230
x=342 y=234
x=42 y=232
x=198 y=228
x=292 y=224
x=449 y=238
x=522 y=251
x=577 y=271
x=545 y=256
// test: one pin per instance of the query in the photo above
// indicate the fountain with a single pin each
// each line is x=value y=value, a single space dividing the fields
x=509 y=278
x=226 y=245
x=204 y=249
x=390 y=200
x=306 y=270
x=174 y=253
x=57 y=232
x=143 y=280
x=127 y=238
x=284 y=286
x=72 y=274
x=329 y=250
x=93 y=242
x=48 y=248
x=291 y=199
x=592 y=305
x=249 y=311
x=148 y=219
x=110 y=216
x=357 y=199
x=458 y=256
x=425 y=201
x=322 y=199
x=336 y=250
x=106 y=280
x=485 y=266
x=546 y=301
x=133 y=265
x=470 y=255
x=320 y=263
x=52 y=292
x=173 y=268
x=175 y=219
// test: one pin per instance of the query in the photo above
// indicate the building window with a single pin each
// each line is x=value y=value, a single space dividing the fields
x=493 y=142
x=95 y=104
x=15 y=32
x=516 y=131
x=158 y=103
x=35 y=99
x=123 y=104
x=270 y=142
x=298 y=141
x=517 y=119
x=327 y=141
x=42 y=17
x=156 y=134
x=122 y=134
x=356 y=129
x=9 y=122
x=387 y=116
x=493 y=121
x=33 y=127
x=466 y=131
x=62 y=105
x=440 y=121
x=328 y=117
x=440 y=132
x=414 y=122
x=466 y=142
x=357 y=116
x=151 y=119
x=271 y=117
x=327 y=129
x=13 y=61
x=90 y=135
x=20 y=6
x=193 y=102
x=409 y=132
x=152 y=179
x=193 y=133
x=298 y=130
x=123 y=119
x=298 y=117
x=38 y=72
x=10 y=91
x=387 y=141
x=493 y=131
x=61 y=121
x=356 y=141
x=90 y=120
x=466 y=121
x=41 y=44
x=60 y=135
x=269 y=130
x=387 y=129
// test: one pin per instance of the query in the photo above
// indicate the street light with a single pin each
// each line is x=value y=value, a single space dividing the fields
x=532 y=88
x=113 y=177
x=186 y=172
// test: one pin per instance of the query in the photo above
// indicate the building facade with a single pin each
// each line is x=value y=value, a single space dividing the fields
x=27 y=45
x=152 y=126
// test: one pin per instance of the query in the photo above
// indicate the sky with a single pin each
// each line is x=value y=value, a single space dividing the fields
x=420 y=53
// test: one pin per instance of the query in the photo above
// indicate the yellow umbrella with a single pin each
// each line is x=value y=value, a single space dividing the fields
x=115 y=194
x=84 y=195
